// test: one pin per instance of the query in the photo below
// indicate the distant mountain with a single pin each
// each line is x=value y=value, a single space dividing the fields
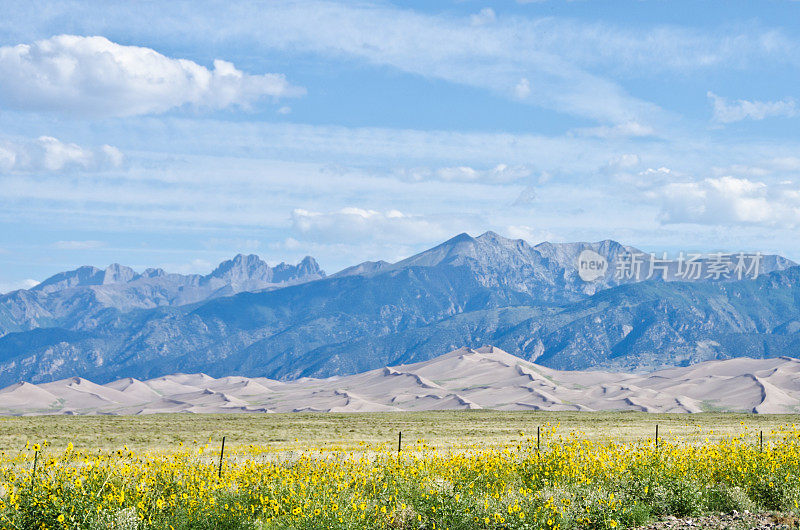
x=530 y=300
x=367 y=267
x=73 y=299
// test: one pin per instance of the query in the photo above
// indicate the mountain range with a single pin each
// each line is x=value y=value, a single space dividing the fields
x=288 y=322
x=72 y=299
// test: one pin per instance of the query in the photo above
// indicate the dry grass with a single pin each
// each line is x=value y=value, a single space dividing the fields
x=441 y=429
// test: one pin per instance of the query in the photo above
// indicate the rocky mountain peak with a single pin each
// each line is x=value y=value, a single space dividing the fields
x=243 y=268
x=80 y=277
x=116 y=273
x=308 y=266
x=251 y=268
x=153 y=273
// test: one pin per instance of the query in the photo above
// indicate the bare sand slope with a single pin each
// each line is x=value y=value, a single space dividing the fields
x=462 y=379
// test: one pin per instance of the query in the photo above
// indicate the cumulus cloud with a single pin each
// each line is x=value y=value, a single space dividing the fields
x=726 y=111
x=349 y=224
x=94 y=76
x=729 y=200
x=51 y=154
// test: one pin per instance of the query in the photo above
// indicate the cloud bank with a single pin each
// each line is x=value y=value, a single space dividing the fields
x=350 y=224
x=730 y=200
x=51 y=154
x=92 y=76
x=726 y=111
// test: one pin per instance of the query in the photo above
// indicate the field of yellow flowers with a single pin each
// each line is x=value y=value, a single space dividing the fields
x=571 y=482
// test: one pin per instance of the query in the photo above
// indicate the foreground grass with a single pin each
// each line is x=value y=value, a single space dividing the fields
x=582 y=478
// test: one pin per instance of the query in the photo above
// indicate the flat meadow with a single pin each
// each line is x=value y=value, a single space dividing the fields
x=455 y=469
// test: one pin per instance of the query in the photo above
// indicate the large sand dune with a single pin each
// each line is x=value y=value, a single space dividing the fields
x=462 y=379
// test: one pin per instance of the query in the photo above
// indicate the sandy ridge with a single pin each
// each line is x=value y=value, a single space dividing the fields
x=462 y=379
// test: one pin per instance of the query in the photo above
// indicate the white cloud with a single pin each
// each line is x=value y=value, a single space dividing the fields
x=494 y=56
x=51 y=154
x=356 y=224
x=7 y=287
x=94 y=76
x=484 y=16
x=622 y=130
x=622 y=163
x=726 y=111
x=626 y=161
x=78 y=245
x=785 y=163
x=531 y=235
x=501 y=173
x=226 y=194
x=570 y=62
x=654 y=172
x=8 y=158
x=729 y=200
x=522 y=89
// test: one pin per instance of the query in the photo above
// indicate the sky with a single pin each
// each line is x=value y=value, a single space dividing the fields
x=179 y=134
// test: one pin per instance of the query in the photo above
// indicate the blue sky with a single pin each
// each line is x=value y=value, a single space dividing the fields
x=178 y=134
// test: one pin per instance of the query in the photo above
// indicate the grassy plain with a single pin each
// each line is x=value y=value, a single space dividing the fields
x=304 y=430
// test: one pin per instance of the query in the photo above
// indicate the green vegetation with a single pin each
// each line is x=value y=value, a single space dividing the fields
x=457 y=470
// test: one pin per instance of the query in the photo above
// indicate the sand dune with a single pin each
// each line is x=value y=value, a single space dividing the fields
x=486 y=378
x=28 y=397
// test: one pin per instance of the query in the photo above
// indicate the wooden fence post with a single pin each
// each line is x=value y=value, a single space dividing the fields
x=221 y=452
x=35 y=459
